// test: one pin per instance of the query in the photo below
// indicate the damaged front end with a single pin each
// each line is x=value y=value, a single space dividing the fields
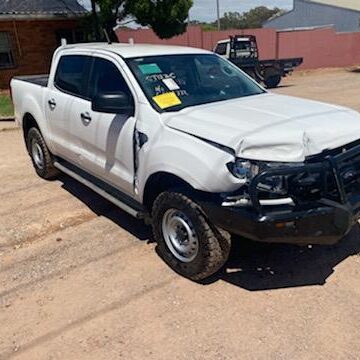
x=279 y=184
x=315 y=202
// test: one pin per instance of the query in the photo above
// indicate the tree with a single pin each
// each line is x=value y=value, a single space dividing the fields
x=231 y=20
x=204 y=25
x=253 y=18
x=166 y=17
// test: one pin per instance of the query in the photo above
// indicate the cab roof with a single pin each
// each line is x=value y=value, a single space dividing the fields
x=238 y=39
x=138 y=50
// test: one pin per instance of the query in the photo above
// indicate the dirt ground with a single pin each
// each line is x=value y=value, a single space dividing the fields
x=79 y=279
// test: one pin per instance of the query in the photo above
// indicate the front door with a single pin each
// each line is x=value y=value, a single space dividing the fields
x=113 y=134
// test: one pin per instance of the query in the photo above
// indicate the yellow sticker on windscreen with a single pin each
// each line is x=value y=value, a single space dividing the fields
x=167 y=100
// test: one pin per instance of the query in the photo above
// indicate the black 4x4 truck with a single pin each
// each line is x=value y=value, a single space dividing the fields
x=242 y=50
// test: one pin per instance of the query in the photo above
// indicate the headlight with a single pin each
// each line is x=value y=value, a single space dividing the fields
x=243 y=169
x=278 y=184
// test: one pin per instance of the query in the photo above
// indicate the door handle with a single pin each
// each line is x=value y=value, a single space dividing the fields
x=85 y=117
x=52 y=104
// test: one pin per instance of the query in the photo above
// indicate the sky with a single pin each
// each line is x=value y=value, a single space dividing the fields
x=205 y=10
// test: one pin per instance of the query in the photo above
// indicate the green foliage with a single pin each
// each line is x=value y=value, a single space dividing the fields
x=209 y=27
x=204 y=26
x=166 y=17
x=6 y=107
x=251 y=19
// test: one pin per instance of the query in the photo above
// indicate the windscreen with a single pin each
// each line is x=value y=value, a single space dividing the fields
x=174 y=82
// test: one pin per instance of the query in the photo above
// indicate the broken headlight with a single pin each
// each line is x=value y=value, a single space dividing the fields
x=243 y=169
x=278 y=183
x=292 y=180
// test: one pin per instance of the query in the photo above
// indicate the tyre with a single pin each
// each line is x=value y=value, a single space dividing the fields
x=272 y=81
x=186 y=240
x=40 y=155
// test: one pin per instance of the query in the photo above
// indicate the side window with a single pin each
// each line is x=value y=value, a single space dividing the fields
x=71 y=74
x=106 y=78
x=221 y=49
x=6 y=55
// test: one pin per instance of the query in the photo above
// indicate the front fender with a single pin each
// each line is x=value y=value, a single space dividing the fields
x=200 y=164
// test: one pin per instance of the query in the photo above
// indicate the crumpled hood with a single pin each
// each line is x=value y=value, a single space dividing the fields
x=270 y=127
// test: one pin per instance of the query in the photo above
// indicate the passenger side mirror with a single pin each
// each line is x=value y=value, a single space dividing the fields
x=113 y=103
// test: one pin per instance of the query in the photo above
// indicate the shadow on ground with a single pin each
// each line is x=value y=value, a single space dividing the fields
x=355 y=69
x=256 y=266
x=283 y=86
x=105 y=208
x=252 y=266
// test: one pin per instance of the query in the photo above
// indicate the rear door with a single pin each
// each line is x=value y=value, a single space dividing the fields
x=70 y=87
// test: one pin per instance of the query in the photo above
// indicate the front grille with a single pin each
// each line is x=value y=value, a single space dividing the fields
x=347 y=169
x=334 y=176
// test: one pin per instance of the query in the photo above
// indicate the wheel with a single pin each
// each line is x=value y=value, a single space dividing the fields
x=252 y=73
x=186 y=240
x=272 y=81
x=40 y=155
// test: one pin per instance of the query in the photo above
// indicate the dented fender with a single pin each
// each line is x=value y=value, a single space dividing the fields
x=199 y=163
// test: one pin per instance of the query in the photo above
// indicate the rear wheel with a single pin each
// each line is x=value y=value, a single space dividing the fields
x=40 y=155
x=186 y=240
x=272 y=81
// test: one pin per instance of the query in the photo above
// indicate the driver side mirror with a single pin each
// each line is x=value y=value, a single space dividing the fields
x=113 y=103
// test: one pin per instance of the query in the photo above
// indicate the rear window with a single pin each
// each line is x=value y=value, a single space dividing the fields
x=221 y=49
x=72 y=74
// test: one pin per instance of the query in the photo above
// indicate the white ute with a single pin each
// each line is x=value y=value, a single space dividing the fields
x=185 y=140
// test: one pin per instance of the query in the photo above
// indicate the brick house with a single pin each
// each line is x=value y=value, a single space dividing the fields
x=30 y=30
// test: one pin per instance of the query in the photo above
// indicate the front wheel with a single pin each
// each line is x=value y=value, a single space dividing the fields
x=186 y=240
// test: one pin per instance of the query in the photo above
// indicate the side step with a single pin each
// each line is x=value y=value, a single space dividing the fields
x=78 y=175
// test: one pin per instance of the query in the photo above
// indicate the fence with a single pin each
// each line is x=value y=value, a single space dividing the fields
x=319 y=47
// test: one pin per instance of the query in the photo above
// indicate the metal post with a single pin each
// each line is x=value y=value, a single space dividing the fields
x=218 y=14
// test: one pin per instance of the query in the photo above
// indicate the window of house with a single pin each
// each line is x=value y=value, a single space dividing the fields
x=6 y=55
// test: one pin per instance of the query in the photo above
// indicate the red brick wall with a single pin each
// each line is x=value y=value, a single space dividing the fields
x=35 y=45
x=319 y=48
x=193 y=37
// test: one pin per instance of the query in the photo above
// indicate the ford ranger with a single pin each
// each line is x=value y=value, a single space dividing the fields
x=182 y=138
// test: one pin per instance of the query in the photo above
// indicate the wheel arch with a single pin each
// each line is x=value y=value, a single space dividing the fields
x=160 y=182
x=29 y=122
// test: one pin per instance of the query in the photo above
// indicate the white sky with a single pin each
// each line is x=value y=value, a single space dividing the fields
x=205 y=10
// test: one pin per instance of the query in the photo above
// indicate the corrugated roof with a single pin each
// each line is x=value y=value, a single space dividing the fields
x=40 y=7
x=347 y=4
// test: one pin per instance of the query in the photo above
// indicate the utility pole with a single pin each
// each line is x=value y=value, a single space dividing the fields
x=218 y=14
x=95 y=20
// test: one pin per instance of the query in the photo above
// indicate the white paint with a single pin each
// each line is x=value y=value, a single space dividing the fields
x=270 y=127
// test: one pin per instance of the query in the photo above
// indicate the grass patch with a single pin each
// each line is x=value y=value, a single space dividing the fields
x=6 y=107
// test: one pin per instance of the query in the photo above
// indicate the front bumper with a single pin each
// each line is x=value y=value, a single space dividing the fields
x=324 y=221
x=325 y=224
